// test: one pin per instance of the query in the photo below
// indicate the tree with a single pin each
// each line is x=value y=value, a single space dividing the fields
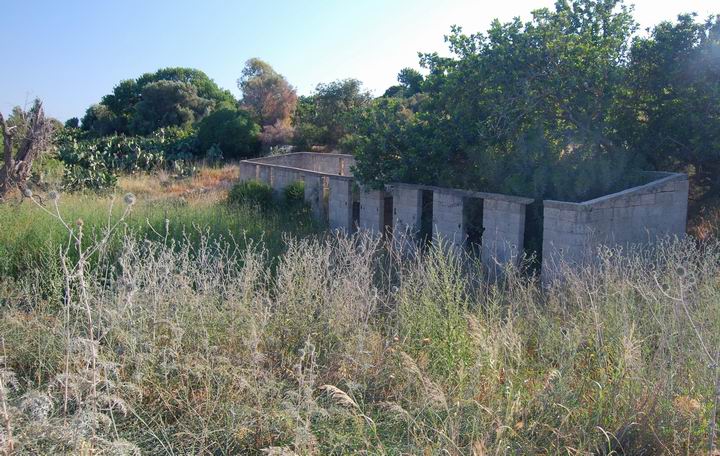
x=266 y=94
x=526 y=108
x=72 y=122
x=330 y=110
x=168 y=104
x=411 y=81
x=99 y=120
x=116 y=111
x=232 y=130
x=25 y=137
x=671 y=112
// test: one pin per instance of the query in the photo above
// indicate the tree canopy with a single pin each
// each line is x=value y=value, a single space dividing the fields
x=133 y=103
x=266 y=94
x=561 y=106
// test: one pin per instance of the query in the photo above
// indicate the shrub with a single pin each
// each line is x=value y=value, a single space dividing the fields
x=252 y=192
x=233 y=131
x=95 y=163
x=295 y=193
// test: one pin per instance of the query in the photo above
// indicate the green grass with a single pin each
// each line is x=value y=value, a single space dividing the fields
x=29 y=236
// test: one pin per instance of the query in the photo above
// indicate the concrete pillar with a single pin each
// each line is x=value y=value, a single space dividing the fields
x=407 y=203
x=248 y=171
x=503 y=235
x=314 y=195
x=372 y=210
x=448 y=220
x=340 y=202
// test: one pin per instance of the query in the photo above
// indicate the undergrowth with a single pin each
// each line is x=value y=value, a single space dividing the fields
x=339 y=346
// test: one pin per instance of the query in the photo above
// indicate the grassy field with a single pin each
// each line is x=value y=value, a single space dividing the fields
x=332 y=345
x=166 y=208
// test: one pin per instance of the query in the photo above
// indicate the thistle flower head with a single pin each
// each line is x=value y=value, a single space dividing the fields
x=129 y=199
x=53 y=195
x=27 y=193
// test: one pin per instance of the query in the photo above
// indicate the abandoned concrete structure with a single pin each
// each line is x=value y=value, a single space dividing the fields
x=571 y=232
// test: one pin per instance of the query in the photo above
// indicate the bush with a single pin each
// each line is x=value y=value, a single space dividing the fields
x=95 y=163
x=233 y=131
x=252 y=192
x=295 y=193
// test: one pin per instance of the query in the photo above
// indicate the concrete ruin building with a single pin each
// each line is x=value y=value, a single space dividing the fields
x=571 y=232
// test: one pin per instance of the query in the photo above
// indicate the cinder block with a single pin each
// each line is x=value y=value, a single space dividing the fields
x=372 y=213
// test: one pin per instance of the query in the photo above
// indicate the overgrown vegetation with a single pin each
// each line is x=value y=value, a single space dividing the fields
x=567 y=105
x=340 y=346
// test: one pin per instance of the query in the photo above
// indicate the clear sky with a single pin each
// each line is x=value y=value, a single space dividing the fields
x=70 y=53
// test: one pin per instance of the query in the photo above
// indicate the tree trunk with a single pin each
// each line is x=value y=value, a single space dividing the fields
x=16 y=170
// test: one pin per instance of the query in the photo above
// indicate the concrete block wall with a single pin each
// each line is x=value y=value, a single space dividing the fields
x=248 y=171
x=340 y=204
x=264 y=173
x=283 y=177
x=326 y=163
x=572 y=232
x=372 y=210
x=314 y=195
x=448 y=218
x=503 y=232
x=407 y=201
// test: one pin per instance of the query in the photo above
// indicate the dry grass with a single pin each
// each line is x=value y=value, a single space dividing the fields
x=207 y=185
x=339 y=346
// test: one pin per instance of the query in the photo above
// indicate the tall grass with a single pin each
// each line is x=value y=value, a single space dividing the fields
x=29 y=239
x=340 y=346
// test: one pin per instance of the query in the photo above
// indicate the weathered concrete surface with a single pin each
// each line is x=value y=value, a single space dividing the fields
x=248 y=171
x=281 y=178
x=314 y=195
x=407 y=200
x=572 y=232
x=448 y=221
x=326 y=163
x=264 y=173
x=503 y=233
x=340 y=204
x=372 y=210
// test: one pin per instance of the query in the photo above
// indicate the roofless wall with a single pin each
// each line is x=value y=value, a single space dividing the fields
x=493 y=223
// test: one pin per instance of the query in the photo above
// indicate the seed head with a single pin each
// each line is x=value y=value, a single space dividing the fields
x=79 y=222
x=27 y=193
x=53 y=195
x=129 y=199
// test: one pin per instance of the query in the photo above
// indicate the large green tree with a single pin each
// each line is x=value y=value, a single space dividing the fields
x=168 y=103
x=117 y=111
x=233 y=131
x=325 y=117
x=671 y=111
x=526 y=108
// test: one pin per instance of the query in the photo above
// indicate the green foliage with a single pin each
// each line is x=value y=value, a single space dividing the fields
x=671 y=111
x=232 y=130
x=295 y=194
x=95 y=163
x=72 y=122
x=168 y=104
x=251 y=192
x=168 y=97
x=324 y=118
x=527 y=108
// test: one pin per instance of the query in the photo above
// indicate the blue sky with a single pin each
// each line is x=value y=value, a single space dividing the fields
x=70 y=53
